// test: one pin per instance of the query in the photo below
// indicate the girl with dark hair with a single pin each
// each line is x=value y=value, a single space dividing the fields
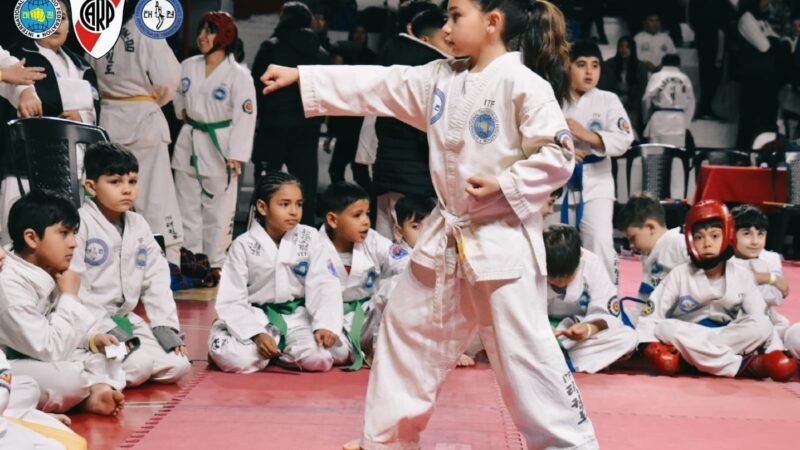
x=626 y=76
x=499 y=145
x=215 y=99
x=284 y=136
x=263 y=316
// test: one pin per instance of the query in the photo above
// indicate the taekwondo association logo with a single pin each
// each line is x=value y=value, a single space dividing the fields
x=158 y=19
x=97 y=24
x=37 y=19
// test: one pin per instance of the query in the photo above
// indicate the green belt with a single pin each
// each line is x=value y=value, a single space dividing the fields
x=211 y=129
x=357 y=307
x=123 y=323
x=554 y=323
x=13 y=354
x=275 y=313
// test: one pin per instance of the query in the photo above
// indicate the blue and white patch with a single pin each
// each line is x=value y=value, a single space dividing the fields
x=301 y=269
x=657 y=268
x=158 y=20
x=220 y=93
x=141 y=258
x=584 y=299
x=595 y=126
x=331 y=269
x=614 y=307
x=96 y=252
x=397 y=252
x=437 y=111
x=370 y=281
x=483 y=126
x=5 y=379
x=564 y=139
x=687 y=303
x=218 y=343
x=186 y=83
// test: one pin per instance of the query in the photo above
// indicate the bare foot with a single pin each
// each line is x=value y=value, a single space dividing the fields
x=465 y=361
x=355 y=444
x=104 y=400
x=63 y=418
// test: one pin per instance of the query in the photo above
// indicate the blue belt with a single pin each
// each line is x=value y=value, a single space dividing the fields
x=575 y=183
x=711 y=323
x=668 y=109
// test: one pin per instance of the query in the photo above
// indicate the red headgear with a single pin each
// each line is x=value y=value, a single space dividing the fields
x=703 y=212
x=226 y=28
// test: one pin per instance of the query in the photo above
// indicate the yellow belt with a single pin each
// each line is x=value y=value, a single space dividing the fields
x=133 y=98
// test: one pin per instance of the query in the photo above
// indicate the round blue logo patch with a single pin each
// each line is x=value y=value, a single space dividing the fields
x=186 y=83
x=397 y=252
x=483 y=126
x=301 y=269
x=96 y=252
x=687 y=303
x=595 y=126
x=37 y=19
x=219 y=93
x=158 y=19
x=438 y=106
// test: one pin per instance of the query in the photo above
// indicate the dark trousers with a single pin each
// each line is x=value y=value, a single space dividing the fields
x=295 y=147
x=758 y=110
x=710 y=75
x=344 y=153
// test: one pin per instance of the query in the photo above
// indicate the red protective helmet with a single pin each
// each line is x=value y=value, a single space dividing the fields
x=226 y=28
x=703 y=212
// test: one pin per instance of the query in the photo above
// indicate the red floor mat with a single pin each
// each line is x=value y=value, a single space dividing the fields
x=321 y=411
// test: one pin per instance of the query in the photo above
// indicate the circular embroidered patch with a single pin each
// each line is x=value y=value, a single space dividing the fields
x=483 y=126
x=96 y=252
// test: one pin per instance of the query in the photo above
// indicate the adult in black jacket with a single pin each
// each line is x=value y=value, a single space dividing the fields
x=401 y=164
x=283 y=134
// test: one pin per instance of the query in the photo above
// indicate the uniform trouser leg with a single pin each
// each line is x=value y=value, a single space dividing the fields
x=386 y=219
x=602 y=349
x=22 y=404
x=302 y=351
x=417 y=351
x=597 y=233
x=779 y=326
x=791 y=339
x=151 y=362
x=62 y=384
x=231 y=354
x=715 y=350
x=217 y=214
x=18 y=437
x=156 y=199
x=189 y=202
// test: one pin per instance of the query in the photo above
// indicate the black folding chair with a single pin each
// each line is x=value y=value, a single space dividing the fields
x=657 y=175
x=46 y=149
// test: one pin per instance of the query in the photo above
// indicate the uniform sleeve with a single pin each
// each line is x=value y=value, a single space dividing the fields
x=401 y=92
x=751 y=32
x=663 y=298
x=617 y=134
x=243 y=96
x=163 y=68
x=9 y=91
x=601 y=291
x=233 y=305
x=753 y=303
x=179 y=101
x=323 y=291
x=53 y=338
x=528 y=182
x=367 y=142
x=688 y=109
x=156 y=293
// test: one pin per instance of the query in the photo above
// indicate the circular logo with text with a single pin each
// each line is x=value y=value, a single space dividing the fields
x=37 y=19
x=159 y=19
x=97 y=15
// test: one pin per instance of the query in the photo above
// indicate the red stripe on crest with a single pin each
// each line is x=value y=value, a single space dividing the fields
x=86 y=37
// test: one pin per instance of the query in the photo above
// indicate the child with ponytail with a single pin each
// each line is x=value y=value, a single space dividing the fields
x=499 y=145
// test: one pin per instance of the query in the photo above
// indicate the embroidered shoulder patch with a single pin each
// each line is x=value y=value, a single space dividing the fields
x=614 y=307
x=96 y=252
x=397 y=252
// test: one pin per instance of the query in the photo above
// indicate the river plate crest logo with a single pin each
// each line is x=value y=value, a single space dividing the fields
x=97 y=24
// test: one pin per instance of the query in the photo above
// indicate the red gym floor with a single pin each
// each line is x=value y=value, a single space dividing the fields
x=287 y=410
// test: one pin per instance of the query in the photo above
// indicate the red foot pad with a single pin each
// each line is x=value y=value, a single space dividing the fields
x=775 y=365
x=663 y=359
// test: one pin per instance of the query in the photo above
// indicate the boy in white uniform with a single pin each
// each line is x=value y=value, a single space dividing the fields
x=361 y=259
x=652 y=43
x=709 y=312
x=767 y=266
x=43 y=325
x=136 y=78
x=120 y=263
x=602 y=130
x=642 y=221
x=580 y=304
x=266 y=314
x=216 y=99
x=668 y=104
